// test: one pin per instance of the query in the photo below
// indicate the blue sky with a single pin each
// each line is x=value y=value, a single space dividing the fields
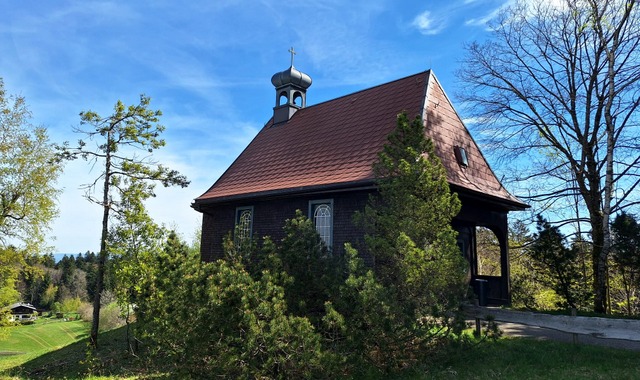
x=207 y=65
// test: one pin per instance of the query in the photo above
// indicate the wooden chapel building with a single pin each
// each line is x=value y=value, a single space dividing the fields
x=319 y=159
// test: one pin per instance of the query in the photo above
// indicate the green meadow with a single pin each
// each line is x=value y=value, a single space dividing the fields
x=55 y=349
x=28 y=342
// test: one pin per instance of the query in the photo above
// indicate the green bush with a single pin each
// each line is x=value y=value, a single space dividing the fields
x=110 y=317
x=214 y=320
x=70 y=305
x=86 y=311
x=292 y=309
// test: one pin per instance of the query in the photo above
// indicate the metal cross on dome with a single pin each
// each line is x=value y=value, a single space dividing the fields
x=293 y=52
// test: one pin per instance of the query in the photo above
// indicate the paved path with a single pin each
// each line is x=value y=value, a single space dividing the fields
x=535 y=332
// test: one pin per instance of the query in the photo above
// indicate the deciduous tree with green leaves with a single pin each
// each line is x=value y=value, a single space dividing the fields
x=10 y=262
x=124 y=143
x=29 y=169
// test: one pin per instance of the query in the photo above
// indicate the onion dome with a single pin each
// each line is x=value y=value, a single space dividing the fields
x=291 y=76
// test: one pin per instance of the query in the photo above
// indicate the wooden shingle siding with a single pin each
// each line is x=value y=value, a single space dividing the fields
x=270 y=216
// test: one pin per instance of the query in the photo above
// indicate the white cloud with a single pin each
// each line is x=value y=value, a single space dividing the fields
x=482 y=21
x=428 y=24
x=490 y=15
x=207 y=66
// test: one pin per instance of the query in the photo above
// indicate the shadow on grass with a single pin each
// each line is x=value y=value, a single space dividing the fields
x=77 y=361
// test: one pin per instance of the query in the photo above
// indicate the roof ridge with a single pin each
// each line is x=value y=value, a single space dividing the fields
x=425 y=72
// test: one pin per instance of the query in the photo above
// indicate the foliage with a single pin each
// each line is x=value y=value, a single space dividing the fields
x=214 y=319
x=10 y=261
x=557 y=265
x=488 y=252
x=408 y=224
x=556 y=91
x=368 y=325
x=31 y=273
x=313 y=274
x=28 y=172
x=125 y=174
x=111 y=317
x=626 y=256
x=85 y=311
x=419 y=271
x=134 y=239
x=70 y=305
x=532 y=286
x=42 y=282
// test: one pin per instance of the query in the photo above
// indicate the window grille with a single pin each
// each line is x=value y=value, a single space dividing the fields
x=244 y=223
x=322 y=216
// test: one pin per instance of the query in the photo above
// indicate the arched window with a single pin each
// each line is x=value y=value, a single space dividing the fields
x=321 y=212
x=244 y=223
x=297 y=97
x=283 y=99
x=488 y=252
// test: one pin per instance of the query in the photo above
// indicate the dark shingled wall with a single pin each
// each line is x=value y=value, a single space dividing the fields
x=269 y=217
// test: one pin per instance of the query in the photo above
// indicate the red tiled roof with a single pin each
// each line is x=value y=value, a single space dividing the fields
x=336 y=142
x=447 y=131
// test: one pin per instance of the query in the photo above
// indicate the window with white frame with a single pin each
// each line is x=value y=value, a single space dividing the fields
x=244 y=222
x=321 y=213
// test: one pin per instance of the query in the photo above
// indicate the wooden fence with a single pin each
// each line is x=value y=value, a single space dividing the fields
x=607 y=328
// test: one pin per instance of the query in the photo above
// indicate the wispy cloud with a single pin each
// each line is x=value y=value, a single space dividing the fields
x=489 y=15
x=206 y=65
x=428 y=24
x=483 y=20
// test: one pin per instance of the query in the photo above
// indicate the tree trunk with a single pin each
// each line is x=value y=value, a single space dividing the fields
x=599 y=261
x=104 y=253
x=102 y=259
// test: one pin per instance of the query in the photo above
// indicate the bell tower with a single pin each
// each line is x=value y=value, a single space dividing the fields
x=291 y=92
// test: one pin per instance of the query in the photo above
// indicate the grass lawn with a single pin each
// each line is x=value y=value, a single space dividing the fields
x=27 y=342
x=58 y=350
x=520 y=358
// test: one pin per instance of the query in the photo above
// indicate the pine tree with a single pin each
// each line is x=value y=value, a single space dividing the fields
x=120 y=136
x=408 y=223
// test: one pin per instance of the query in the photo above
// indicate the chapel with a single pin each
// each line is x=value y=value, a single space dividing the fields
x=318 y=158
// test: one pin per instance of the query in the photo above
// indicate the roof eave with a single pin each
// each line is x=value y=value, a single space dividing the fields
x=366 y=184
x=510 y=204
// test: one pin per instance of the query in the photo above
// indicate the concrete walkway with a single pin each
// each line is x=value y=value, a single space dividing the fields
x=535 y=332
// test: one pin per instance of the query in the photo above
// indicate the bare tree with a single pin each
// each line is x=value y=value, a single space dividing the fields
x=556 y=90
